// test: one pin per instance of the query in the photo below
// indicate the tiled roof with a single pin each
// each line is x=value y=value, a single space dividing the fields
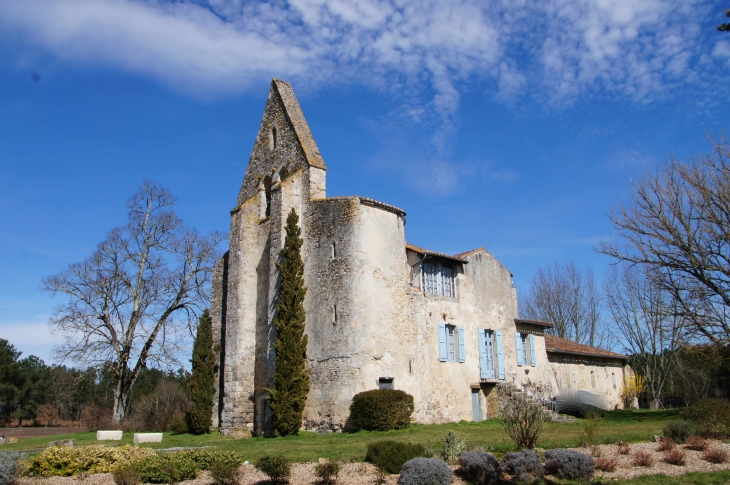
x=434 y=253
x=382 y=205
x=565 y=346
x=301 y=128
x=533 y=322
x=468 y=253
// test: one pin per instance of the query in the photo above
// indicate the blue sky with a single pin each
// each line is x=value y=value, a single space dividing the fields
x=513 y=125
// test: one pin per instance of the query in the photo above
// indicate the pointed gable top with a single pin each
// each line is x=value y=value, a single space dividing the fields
x=301 y=128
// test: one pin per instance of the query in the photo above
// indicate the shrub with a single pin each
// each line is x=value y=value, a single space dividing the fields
x=675 y=456
x=715 y=455
x=453 y=446
x=425 y=471
x=127 y=475
x=623 y=448
x=608 y=464
x=697 y=443
x=711 y=417
x=666 y=444
x=522 y=420
x=381 y=410
x=642 y=458
x=277 y=468
x=64 y=461
x=479 y=467
x=679 y=431
x=569 y=464
x=207 y=459
x=524 y=466
x=327 y=472
x=390 y=455
x=226 y=473
x=589 y=433
x=8 y=467
x=168 y=468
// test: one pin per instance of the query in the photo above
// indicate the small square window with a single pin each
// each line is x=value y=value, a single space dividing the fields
x=385 y=383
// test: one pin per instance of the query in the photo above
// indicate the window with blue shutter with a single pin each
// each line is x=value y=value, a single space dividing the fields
x=442 y=342
x=518 y=345
x=533 y=360
x=462 y=347
x=481 y=338
x=489 y=344
x=500 y=355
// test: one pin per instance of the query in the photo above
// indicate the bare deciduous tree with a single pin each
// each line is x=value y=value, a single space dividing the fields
x=643 y=313
x=677 y=223
x=567 y=297
x=137 y=296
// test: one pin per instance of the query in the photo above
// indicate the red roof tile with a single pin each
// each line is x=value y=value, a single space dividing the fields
x=433 y=253
x=468 y=253
x=565 y=346
x=533 y=322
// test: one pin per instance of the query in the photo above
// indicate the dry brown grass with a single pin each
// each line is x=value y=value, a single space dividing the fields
x=715 y=455
x=642 y=458
x=696 y=443
x=623 y=448
x=606 y=464
x=666 y=444
x=675 y=456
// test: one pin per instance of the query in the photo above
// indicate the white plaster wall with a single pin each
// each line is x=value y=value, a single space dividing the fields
x=573 y=377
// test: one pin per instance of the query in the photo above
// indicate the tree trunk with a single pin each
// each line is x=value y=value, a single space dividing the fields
x=120 y=403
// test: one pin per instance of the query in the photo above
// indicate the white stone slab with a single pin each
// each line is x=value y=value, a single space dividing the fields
x=108 y=435
x=147 y=438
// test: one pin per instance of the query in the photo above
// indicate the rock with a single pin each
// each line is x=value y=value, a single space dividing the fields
x=62 y=443
x=108 y=435
x=147 y=438
x=6 y=440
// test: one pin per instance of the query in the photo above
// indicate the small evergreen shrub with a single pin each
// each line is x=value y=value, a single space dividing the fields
x=697 y=443
x=607 y=464
x=479 y=467
x=390 y=455
x=327 y=472
x=569 y=464
x=715 y=455
x=168 y=468
x=711 y=417
x=425 y=471
x=642 y=458
x=65 y=461
x=277 y=468
x=8 y=467
x=675 y=456
x=381 y=410
x=226 y=473
x=679 y=431
x=453 y=446
x=127 y=475
x=524 y=466
x=666 y=444
x=207 y=459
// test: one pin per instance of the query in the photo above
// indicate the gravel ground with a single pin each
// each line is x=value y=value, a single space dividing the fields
x=365 y=473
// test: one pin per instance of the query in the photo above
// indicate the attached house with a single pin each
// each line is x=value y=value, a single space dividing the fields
x=380 y=312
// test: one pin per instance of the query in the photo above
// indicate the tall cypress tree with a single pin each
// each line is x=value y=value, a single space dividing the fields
x=202 y=385
x=291 y=376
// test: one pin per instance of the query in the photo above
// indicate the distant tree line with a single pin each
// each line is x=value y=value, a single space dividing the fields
x=32 y=392
x=665 y=299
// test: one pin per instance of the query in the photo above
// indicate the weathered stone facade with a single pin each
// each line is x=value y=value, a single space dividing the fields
x=375 y=316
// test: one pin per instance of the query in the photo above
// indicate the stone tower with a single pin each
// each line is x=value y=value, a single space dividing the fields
x=285 y=171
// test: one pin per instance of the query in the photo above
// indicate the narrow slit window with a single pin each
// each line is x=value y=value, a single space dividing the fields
x=273 y=138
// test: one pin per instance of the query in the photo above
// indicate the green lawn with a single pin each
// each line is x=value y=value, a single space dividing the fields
x=629 y=426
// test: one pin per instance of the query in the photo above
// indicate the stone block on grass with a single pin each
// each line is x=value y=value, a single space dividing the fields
x=108 y=435
x=147 y=438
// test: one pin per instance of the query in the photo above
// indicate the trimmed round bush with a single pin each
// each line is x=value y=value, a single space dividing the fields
x=277 y=468
x=425 y=471
x=524 y=466
x=381 y=410
x=389 y=455
x=679 y=431
x=569 y=464
x=479 y=467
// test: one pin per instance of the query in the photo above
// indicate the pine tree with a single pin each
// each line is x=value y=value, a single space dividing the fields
x=291 y=376
x=202 y=388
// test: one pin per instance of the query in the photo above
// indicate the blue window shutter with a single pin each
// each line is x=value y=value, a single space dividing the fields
x=482 y=354
x=518 y=345
x=500 y=355
x=462 y=347
x=533 y=360
x=442 y=342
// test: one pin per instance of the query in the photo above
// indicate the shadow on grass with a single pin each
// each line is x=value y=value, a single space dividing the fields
x=637 y=415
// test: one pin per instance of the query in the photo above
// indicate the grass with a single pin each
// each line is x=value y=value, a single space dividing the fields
x=695 y=478
x=628 y=426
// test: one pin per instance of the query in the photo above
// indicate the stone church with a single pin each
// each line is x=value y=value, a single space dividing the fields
x=381 y=313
